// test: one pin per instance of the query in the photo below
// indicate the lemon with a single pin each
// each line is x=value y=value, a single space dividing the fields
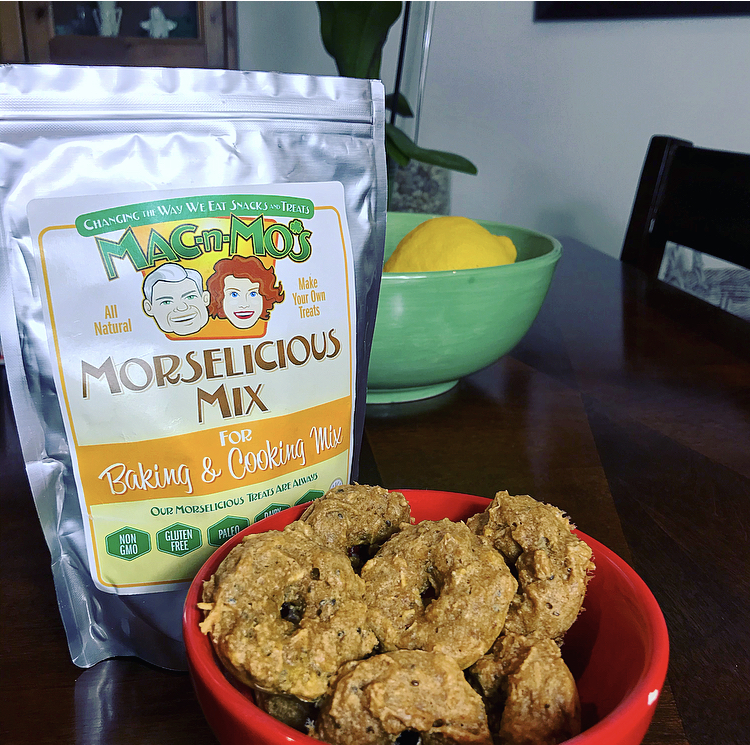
x=448 y=243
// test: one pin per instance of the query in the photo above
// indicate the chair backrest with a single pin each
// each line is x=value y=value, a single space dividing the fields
x=692 y=196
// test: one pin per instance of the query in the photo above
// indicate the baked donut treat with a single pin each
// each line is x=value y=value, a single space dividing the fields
x=438 y=587
x=288 y=709
x=529 y=692
x=357 y=519
x=284 y=613
x=552 y=564
x=423 y=694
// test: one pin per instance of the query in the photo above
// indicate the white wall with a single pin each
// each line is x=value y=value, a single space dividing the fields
x=557 y=116
x=281 y=36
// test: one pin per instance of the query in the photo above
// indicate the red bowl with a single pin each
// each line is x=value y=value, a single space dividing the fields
x=617 y=650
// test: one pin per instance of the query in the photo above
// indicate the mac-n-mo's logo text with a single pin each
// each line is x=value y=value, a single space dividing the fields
x=186 y=241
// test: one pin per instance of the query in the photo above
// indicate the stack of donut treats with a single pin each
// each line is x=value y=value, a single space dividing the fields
x=357 y=626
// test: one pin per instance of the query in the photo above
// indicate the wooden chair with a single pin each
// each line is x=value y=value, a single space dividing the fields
x=692 y=196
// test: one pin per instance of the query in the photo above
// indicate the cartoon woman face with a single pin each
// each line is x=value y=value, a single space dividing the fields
x=242 y=303
x=243 y=291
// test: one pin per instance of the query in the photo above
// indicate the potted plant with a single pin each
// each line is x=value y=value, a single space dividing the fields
x=354 y=34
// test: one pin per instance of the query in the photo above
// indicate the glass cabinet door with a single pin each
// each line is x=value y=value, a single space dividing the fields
x=170 y=34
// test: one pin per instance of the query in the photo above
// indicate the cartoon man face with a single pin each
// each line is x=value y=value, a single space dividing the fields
x=242 y=302
x=176 y=301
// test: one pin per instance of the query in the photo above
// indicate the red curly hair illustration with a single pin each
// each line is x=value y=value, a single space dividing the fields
x=243 y=267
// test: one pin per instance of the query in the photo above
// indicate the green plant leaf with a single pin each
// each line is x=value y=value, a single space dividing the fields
x=403 y=108
x=354 y=33
x=393 y=152
x=404 y=144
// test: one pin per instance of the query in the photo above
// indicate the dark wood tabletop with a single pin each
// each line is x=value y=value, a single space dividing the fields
x=627 y=405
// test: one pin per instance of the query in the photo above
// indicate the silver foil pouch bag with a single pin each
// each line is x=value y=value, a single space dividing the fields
x=190 y=264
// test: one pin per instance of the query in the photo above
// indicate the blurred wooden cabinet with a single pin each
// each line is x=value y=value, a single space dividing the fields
x=193 y=34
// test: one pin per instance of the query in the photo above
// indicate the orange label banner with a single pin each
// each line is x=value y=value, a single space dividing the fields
x=206 y=462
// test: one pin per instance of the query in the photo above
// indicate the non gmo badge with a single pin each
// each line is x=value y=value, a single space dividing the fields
x=128 y=543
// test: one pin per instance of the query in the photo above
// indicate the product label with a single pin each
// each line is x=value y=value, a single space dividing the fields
x=205 y=364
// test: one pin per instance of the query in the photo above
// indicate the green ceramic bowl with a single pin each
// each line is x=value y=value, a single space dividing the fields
x=433 y=328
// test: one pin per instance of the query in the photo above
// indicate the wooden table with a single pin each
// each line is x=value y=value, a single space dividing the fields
x=627 y=404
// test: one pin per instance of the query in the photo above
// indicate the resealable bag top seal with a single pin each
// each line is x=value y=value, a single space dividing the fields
x=190 y=264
